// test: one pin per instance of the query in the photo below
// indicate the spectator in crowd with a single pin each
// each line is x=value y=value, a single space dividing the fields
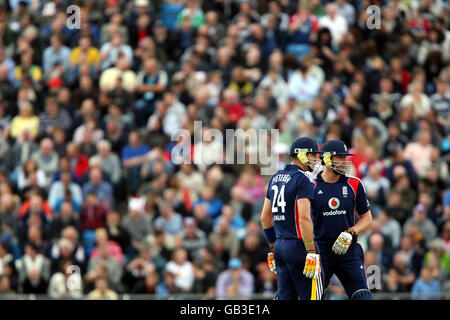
x=101 y=188
x=401 y=278
x=136 y=224
x=207 y=198
x=79 y=163
x=234 y=282
x=301 y=27
x=225 y=238
x=381 y=254
x=73 y=104
x=150 y=84
x=102 y=290
x=34 y=271
x=68 y=248
x=194 y=239
x=25 y=121
x=335 y=22
x=85 y=52
x=137 y=271
x=119 y=76
x=21 y=150
x=419 y=153
x=426 y=288
x=53 y=117
x=182 y=269
x=169 y=220
x=377 y=186
x=390 y=227
x=58 y=287
x=66 y=217
x=133 y=155
x=265 y=282
x=93 y=214
x=303 y=87
x=56 y=54
x=419 y=218
x=113 y=268
x=112 y=50
x=110 y=162
x=46 y=158
x=59 y=189
x=30 y=171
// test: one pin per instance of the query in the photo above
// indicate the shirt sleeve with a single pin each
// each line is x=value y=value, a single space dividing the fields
x=305 y=188
x=361 y=201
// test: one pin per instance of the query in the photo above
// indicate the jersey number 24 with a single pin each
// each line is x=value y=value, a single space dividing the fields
x=278 y=199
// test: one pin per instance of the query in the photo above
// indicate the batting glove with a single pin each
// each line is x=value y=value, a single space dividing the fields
x=343 y=242
x=271 y=262
x=312 y=265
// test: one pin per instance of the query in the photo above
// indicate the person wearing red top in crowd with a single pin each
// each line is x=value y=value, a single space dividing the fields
x=43 y=204
x=79 y=163
x=399 y=74
x=371 y=160
x=418 y=24
x=233 y=107
x=93 y=214
x=358 y=157
x=114 y=249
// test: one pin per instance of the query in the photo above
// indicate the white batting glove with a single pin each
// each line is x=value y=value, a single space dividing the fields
x=343 y=242
x=312 y=265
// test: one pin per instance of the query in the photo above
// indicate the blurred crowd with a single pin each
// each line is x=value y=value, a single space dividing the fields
x=91 y=202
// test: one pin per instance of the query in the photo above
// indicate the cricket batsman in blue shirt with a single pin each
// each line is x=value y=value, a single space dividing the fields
x=338 y=197
x=287 y=224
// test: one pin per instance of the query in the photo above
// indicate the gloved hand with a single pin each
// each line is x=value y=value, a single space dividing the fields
x=343 y=242
x=271 y=262
x=317 y=169
x=312 y=265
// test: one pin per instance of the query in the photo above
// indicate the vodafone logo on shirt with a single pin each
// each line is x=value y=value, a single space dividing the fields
x=333 y=203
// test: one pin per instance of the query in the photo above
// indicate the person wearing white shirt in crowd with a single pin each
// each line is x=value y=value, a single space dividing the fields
x=336 y=23
x=182 y=269
x=420 y=101
x=208 y=151
x=374 y=183
x=175 y=111
x=66 y=283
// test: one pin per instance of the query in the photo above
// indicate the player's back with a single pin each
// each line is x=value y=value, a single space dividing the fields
x=285 y=187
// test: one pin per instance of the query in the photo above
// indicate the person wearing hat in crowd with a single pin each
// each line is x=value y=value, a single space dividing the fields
x=286 y=219
x=137 y=224
x=235 y=281
x=424 y=224
x=337 y=198
x=194 y=239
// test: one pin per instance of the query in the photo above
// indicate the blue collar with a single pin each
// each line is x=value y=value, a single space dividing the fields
x=341 y=178
x=292 y=167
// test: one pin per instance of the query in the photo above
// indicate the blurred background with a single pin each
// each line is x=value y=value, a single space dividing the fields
x=91 y=203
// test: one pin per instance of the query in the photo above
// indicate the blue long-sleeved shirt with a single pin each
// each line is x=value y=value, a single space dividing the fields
x=52 y=57
x=214 y=206
x=303 y=89
x=425 y=290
